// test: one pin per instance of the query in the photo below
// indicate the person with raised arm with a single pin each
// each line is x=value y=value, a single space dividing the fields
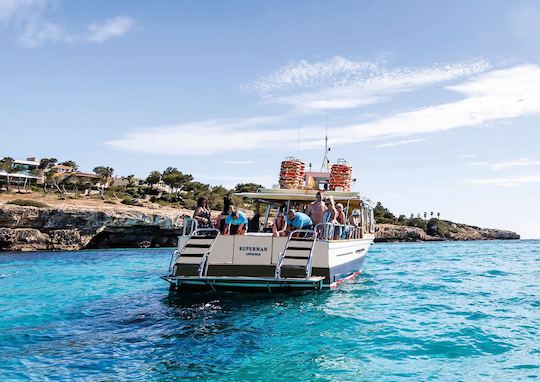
x=317 y=209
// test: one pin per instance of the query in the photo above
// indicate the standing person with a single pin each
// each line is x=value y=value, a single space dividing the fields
x=254 y=224
x=202 y=213
x=298 y=220
x=279 y=228
x=317 y=209
x=236 y=222
x=227 y=203
x=340 y=218
x=330 y=216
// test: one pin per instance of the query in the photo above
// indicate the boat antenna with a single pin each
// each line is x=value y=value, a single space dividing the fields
x=298 y=147
x=325 y=166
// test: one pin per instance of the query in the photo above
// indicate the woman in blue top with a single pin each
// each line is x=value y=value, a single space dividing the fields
x=236 y=222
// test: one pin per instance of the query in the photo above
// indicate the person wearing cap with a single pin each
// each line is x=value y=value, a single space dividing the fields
x=298 y=220
x=236 y=222
x=355 y=223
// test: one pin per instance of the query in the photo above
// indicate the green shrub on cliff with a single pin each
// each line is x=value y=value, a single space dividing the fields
x=441 y=227
x=28 y=203
x=383 y=215
x=129 y=201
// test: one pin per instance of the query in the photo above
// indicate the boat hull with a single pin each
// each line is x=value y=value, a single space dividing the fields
x=339 y=261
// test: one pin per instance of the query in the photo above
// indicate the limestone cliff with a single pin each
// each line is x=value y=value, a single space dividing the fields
x=72 y=228
x=440 y=232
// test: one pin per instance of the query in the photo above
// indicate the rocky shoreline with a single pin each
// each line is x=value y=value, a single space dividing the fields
x=65 y=227
x=75 y=228
x=458 y=232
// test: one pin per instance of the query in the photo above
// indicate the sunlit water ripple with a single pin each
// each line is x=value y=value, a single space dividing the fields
x=442 y=311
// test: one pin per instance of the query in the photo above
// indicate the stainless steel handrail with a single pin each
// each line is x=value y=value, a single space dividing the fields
x=309 y=263
x=353 y=232
x=325 y=231
x=198 y=232
x=190 y=223
x=203 y=266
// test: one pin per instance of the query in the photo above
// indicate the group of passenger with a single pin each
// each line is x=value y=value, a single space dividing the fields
x=323 y=210
x=320 y=211
x=229 y=222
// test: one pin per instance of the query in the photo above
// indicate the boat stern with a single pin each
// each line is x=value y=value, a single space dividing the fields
x=252 y=284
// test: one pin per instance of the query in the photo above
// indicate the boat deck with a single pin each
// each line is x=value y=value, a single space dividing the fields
x=265 y=284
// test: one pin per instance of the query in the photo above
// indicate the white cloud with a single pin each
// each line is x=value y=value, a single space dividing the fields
x=302 y=74
x=492 y=96
x=496 y=95
x=104 y=30
x=523 y=162
x=27 y=18
x=342 y=84
x=398 y=143
x=511 y=181
x=210 y=137
x=16 y=11
x=38 y=33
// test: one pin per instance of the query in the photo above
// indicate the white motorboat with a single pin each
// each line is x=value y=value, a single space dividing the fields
x=317 y=258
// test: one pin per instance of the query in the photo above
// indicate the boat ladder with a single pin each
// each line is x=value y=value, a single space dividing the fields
x=298 y=252
x=196 y=250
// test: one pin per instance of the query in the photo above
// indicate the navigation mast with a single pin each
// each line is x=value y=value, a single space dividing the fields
x=325 y=166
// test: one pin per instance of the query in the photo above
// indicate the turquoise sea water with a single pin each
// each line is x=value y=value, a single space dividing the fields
x=443 y=311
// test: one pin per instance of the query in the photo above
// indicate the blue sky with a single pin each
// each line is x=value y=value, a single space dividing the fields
x=436 y=104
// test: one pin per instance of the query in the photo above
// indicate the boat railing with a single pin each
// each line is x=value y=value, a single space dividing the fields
x=332 y=231
x=325 y=231
x=296 y=243
x=190 y=225
x=353 y=232
x=200 y=233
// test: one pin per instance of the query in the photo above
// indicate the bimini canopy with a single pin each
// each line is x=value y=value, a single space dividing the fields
x=270 y=195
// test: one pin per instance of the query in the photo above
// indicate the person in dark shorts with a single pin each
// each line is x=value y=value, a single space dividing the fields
x=236 y=222
x=298 y=220
x=227 y=203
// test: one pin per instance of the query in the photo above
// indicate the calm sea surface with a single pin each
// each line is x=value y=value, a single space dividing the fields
x=444 y=311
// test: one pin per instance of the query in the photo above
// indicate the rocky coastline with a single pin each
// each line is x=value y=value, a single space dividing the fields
x=25 y=228
x=459 y=232
x=65 y=227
